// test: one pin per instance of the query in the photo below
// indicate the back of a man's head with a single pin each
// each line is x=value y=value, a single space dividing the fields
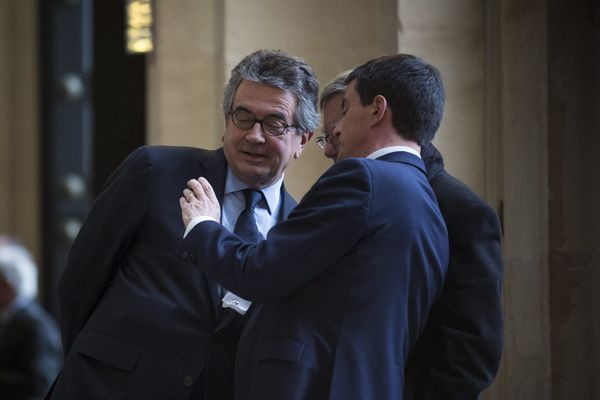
x=17 y=268
x=412 y=88
x=279 y=69
x=336 y=86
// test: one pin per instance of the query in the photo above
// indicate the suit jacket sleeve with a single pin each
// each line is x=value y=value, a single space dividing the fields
x=108 y=231
x=325 y=225
x=461 y=345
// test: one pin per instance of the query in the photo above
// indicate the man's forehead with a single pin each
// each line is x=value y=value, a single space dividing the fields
x=250 y=85
x=251 y=91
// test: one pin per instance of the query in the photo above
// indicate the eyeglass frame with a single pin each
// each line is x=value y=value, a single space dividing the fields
x=322 y=140
x=284 y=129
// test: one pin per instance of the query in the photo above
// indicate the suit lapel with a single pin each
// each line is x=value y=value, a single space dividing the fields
x=287 y=204
x=213 y=167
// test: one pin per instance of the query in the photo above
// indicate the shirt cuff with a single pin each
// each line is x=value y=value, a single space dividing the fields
x=195 y=222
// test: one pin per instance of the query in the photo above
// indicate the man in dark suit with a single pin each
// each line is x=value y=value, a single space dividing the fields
x=458 y=353
x=139 y=323
x=30 y=352
x=346 y=283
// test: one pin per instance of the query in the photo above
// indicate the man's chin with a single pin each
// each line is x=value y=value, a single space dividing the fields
x=256 y=176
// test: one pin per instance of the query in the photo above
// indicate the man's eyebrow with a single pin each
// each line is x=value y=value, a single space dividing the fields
x=241 y=108
x=275 y=114
x=278 y=115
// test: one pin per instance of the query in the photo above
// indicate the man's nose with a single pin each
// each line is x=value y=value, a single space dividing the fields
x=255 y=133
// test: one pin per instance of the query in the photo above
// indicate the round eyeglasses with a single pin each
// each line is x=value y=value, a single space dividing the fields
x=322 y=140
x=271 y=125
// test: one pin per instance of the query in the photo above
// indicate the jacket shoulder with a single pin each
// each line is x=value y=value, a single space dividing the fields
x=451 y=192
x=160 y=151
x=461 y=207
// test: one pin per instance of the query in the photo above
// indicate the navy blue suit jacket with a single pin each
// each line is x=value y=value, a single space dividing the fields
x=345 y=284
x=458 y=353
x=137 y=322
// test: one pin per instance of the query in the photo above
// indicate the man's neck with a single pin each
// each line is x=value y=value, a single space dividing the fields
x=394 y=139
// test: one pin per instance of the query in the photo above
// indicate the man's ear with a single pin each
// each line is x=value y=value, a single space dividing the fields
x=378 y=109
x=304 y=138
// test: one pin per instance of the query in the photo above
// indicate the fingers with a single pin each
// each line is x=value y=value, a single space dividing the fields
x=200 y=187
x=185 y=216
x=188 y=194
x=199 y=199
x=208 y=190
x=195 y=187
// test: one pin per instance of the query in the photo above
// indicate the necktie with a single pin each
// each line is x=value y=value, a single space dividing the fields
x=245 y=226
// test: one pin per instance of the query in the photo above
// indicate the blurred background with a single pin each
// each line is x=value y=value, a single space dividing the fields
x=83 y=82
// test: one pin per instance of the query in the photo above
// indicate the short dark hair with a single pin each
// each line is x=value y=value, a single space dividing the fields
x=281 y=70
x=412 y=88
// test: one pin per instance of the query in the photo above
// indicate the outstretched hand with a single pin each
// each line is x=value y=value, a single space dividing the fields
x=199 y=200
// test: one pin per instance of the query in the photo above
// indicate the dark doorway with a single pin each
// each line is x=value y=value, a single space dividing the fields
x=93 y=97
x=119 y=92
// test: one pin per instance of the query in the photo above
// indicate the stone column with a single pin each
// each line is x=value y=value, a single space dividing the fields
x=19 y=137
x=526 y=363
x=185 y=74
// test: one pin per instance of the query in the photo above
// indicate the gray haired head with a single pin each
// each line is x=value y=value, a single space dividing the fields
x=17 y=268
x=281 y=70
x=335 y=87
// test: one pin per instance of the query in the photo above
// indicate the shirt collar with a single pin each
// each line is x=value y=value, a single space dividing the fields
x=387 y=150
x=271 y=193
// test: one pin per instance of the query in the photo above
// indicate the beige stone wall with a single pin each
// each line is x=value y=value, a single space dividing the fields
x=19 y=155
x=183 y=75
x=526 y=364
x=5 y=102
x=451 y=35
x=574 y=201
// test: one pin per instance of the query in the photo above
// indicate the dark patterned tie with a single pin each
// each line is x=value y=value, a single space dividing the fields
x=245 y=226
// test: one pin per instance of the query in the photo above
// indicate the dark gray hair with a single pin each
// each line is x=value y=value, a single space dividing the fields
x=283 y=71
x=17 y=268
x=413 y=89
x=336 y=86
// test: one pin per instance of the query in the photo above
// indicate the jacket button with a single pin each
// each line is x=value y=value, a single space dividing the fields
x=188 y=380
x=186 y=255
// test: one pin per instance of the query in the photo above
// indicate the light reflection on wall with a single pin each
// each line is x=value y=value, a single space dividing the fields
x=139 y=30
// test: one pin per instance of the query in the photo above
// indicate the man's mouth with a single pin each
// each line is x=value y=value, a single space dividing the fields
x=254 y=156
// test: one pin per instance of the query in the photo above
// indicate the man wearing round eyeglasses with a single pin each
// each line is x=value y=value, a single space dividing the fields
x=331 y=108
x=261 y=134
x=137 y=321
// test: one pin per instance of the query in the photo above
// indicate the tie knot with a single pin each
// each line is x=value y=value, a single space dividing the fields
x=252 y=197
